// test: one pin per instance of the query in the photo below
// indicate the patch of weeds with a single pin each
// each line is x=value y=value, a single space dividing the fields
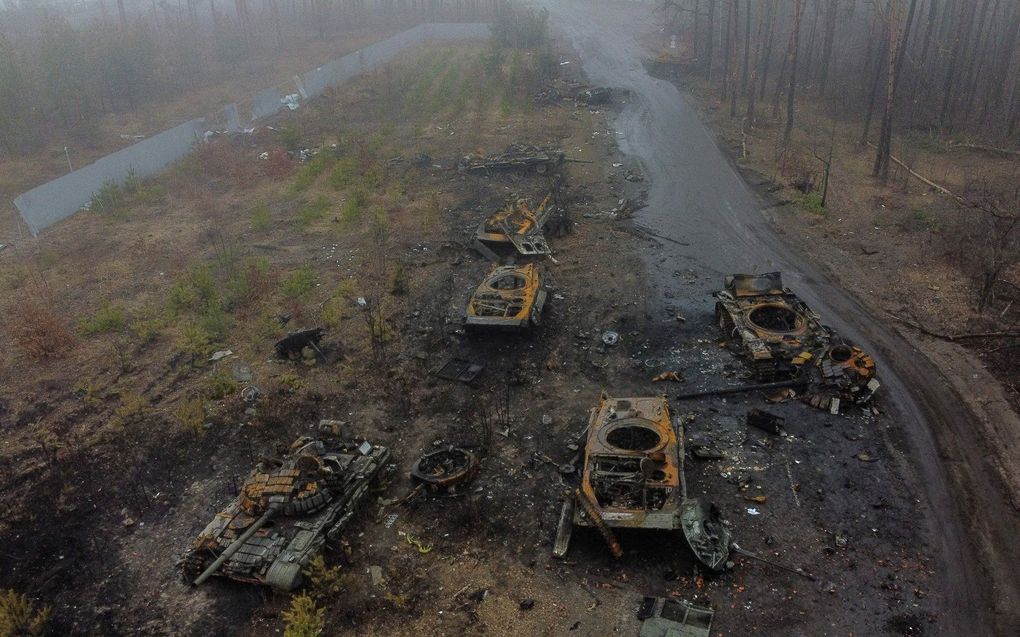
x=191 y=416
x=249 y=284
x=810 y=202
x=215 y=322
x=133 y=409
x=291 y=382
x=353 y=206
x=260 y=219
x=311 y=170
x=290 y=138
x=108 y=200
x=195 y=341
x=398 y=281
x=299 y=282
x=304 y=618
x=323 y=581
x=20 y=617
x=921 y=219
x=345 y=173
x=147 y=322
x=108 y=318
x=220 y=384
x=334 y=311
x=192 y=292
x=85 y=391
x=313 y=211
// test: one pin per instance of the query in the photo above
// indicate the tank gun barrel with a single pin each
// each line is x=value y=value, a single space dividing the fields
x=795 y=382
x=237 y=544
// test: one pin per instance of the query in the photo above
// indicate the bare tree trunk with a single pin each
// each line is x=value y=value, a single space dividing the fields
x=747 y=49
x=790 y=94
x=897 y=52
x=727 y=47
x=766 y=59
x=830 y=36
x=980 y=52
x=733 y=74
x=960 y=41
x=710 y=40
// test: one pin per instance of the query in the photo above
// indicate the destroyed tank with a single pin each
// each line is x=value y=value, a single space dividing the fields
x=518 y=224
x=782 y=338
x=510 y=297
x=632 y=478
x=285 y=512
x=768 y=323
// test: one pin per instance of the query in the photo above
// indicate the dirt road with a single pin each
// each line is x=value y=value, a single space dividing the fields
x=711 y=225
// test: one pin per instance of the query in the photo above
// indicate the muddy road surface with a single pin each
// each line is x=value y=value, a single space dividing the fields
x=710 y=223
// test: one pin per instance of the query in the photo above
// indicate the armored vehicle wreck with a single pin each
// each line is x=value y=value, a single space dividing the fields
x=515 y=157
x=782 y=338
x=285 y=512
x=518 y=225
x=510 y=297
x=633 y=478
x=768 y=323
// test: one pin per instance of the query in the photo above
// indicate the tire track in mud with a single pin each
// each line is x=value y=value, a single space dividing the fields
x=711 y=220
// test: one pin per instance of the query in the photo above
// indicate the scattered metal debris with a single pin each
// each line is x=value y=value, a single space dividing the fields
x=292 y=345
x=610 y=338
x=663 y=617
x=459 y=370
x=446 y=468
x=286 y=510
x=675 y=377
x=509 y=297
x=765 y=421
x=595 y=96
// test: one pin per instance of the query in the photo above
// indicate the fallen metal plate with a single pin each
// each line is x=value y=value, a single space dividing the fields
x=459 y=370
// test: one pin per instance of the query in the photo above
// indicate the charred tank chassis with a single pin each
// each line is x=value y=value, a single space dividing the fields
x=509 y=297
x=632 y=477
x=285 y=512
x=782 y=338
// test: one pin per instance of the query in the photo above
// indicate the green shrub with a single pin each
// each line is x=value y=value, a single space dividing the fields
x=260 y=219
x=192 y=292
x=215 y=322
x=311 y=170
x=108 y=318
x=19 y=617
x=108 y=200
x=353 y=206
x=220 y=384
x=811 y=202
x=191 y=416
x=290 y=138
x=313 y=211
x=299 y=282
x=304 y=619
x=195 y=341
x=249 y=284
